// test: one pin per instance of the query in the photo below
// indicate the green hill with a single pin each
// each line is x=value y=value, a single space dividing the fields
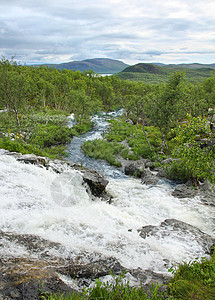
x=156 y=73
x=98 y=65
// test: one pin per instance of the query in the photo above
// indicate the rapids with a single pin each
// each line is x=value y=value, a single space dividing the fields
x=30 y=204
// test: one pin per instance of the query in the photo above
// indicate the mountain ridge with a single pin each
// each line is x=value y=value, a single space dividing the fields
x=98 y=65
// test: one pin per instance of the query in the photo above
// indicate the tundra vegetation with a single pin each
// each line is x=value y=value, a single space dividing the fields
x=172 y=119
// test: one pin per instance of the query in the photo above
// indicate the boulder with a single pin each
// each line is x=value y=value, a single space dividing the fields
x=179 y=230
x=149 y=178
x=134 y=168
x=95 y=181
x=184 y=191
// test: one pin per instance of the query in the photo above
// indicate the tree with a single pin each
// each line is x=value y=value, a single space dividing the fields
x=165 y=106
x=14 y=87
x=195 y=148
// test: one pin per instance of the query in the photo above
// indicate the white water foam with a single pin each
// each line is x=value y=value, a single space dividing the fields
x=30 y=204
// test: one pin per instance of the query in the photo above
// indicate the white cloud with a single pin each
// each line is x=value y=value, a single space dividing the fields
x=57 y=31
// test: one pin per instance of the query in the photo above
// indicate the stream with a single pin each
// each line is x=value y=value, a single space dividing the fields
x=89 y=229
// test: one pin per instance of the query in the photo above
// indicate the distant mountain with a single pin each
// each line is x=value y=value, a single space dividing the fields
x=155 y=73
x=98 y=65
x=194 y=66
x=144 y=68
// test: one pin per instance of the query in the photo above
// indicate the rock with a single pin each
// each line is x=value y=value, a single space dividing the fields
x=150 y=164
x=134 y=169
x=40 y=271
x=167 y=161
x=179 y=230
x=184 y=191
x=149 y=178
x=160 y=172
x=95 y=181
x=33 y=159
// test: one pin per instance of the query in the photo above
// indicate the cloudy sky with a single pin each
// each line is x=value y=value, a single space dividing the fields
x=54 y=31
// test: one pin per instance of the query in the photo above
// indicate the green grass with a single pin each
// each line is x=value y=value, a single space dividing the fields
x=126 y=141
x=43 y=133
x=101 y=149
x=191 y=281
x=118 y=289
x=194 y=280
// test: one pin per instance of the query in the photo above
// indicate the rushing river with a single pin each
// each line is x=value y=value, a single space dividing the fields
x=29 y=205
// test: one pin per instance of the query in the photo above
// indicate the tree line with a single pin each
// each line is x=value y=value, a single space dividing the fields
x=26 y=89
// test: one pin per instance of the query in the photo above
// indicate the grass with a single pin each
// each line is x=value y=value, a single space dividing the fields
x=118 y=289
x=191 y=281
x=127 y=141
x=101 y=149
x=194 y=280
x=42 y=133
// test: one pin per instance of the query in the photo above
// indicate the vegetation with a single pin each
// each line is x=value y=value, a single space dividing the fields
x=117 y=289
x=37 y=102
x=153 y=74
x=193 y=280
x=175 y=119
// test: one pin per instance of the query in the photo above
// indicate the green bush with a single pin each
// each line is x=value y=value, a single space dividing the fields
x=50 y=135
x=178 y=171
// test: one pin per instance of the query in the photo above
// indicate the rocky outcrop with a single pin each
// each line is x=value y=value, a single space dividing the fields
x=184 y=191
x=33 y=159
x=134 y=168
x=95 y=181
x=180 y=229
x=39 y=271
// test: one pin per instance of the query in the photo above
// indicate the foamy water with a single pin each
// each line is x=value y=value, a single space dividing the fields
x=57 y=207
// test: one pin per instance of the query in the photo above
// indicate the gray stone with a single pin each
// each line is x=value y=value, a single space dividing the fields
x=184 y=191
x=33 y=159
x=95 y=181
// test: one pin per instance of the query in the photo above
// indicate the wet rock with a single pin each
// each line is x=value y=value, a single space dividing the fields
x=96 y=182
x=93 y=270
x=161 y=173
x=43 y=269
x=149 y=178
x=134 y=169
x=149 y=278
x=184 y=191
x=33 y=159
x=181 y=230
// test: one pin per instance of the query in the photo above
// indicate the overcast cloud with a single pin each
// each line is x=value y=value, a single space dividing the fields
x=55 y=31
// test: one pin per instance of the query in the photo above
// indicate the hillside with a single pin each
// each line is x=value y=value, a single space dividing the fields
x=155 y=73
x=144 y=68
x=98 y=65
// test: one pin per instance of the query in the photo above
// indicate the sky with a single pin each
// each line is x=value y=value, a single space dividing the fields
x=134 y=31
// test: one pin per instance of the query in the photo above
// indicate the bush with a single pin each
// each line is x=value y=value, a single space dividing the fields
x=50 y=135
x=178 y=171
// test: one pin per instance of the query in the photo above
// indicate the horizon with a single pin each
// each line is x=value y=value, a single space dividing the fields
x=64 y=62
x=52 y=31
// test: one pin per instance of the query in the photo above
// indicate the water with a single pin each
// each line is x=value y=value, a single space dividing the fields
x=77 y=155
x=30 y=204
